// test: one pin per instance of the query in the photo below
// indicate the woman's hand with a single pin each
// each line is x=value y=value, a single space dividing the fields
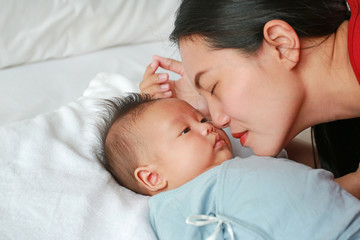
x=158 y=85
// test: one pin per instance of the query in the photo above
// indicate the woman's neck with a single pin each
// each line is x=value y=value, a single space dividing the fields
x=332 y=90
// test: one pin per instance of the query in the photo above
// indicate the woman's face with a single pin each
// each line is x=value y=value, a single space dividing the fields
x=256 y=96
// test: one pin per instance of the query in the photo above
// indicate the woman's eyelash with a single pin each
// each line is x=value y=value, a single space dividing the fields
x=213 y=89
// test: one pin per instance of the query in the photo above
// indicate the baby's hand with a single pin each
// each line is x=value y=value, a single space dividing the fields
x=158 y=85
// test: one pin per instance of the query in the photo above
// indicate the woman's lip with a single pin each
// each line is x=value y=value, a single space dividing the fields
x=242 y=136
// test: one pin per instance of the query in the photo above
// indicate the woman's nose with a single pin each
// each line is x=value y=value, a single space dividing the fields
x=219 y=118
x=207 y=128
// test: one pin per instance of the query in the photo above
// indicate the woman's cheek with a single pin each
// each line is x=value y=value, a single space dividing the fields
x=231 y=101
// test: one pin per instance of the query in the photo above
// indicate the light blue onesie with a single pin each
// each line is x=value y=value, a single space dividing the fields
x=257 y=198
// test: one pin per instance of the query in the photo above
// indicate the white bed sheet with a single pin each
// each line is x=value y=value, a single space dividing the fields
x=32 y=89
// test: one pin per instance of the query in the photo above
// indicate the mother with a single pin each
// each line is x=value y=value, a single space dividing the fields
x=270 y=69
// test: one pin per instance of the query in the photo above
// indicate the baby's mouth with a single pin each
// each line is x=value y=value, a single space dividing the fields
x=219 y=142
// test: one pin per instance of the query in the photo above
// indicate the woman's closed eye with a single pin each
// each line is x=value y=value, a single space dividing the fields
x=213 y=89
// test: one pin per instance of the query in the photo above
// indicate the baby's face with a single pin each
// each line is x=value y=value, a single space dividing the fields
x=182 y=143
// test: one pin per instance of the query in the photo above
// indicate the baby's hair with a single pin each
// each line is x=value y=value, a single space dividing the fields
x=123 y=144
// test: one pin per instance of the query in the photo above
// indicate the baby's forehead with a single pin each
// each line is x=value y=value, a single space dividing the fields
x=168 y=109
x=175 y=104
x=160 y=111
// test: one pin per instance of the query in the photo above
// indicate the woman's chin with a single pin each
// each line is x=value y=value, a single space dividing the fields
x=266 y=151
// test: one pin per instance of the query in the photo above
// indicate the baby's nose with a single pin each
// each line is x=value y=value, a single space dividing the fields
x=207 y=128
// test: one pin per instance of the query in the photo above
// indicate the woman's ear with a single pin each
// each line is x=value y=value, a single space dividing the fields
x=285 y=41
x=149 y=178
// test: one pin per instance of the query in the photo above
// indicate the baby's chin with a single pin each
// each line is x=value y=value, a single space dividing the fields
x=225 y=155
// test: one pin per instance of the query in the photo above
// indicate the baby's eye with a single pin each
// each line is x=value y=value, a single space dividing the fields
x=186 y=130
x=204 y=120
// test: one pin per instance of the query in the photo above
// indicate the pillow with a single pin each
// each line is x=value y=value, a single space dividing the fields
x=52 y=184
x=34 y=31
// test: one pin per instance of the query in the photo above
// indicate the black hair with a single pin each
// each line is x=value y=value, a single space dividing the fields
x=238 y=24
x=121 y=151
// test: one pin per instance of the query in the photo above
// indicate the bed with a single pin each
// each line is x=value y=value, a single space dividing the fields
x=58 y=59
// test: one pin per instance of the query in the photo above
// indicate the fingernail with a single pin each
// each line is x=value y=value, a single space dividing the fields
x=164 y=86
x=153 y=64
x=167 y=94
x=162 y=76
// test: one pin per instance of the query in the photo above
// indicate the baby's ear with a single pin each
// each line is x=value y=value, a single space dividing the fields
x=149 y=178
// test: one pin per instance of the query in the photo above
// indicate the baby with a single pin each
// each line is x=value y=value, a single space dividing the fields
x=166 y=149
